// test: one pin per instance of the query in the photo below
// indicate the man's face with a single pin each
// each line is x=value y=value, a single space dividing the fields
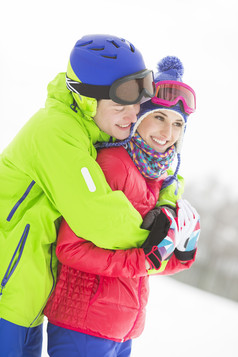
x=116 y=119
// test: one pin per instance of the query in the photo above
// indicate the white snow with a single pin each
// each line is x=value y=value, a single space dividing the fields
x=185 y=322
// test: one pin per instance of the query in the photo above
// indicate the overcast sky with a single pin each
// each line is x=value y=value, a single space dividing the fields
x=36 y=38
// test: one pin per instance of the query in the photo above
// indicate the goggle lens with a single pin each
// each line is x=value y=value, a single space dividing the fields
x=169 y=93
x=130 y=91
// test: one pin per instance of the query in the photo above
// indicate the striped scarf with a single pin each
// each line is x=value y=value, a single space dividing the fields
x=151 y=163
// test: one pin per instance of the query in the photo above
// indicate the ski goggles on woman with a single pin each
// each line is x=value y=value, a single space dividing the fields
x=126 y=90
x=168 y=93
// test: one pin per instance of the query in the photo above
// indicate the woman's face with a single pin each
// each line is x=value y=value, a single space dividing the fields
x=116 y=119
x=161 y=129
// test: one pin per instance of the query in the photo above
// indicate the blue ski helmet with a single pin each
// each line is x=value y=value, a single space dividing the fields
x=102 y=59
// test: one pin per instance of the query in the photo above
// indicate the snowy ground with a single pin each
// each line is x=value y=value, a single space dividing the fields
x=187 y=322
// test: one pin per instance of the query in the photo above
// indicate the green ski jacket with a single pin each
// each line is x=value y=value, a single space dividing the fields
x=49 y=171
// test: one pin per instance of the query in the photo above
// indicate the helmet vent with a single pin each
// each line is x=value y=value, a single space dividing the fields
x=97 y=48
x=132 y=48
x=83 y=44
x=114 y=44
x=109 y=56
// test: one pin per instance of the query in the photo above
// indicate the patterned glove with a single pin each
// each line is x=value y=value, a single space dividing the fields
x=189 y=230
x=162 y=239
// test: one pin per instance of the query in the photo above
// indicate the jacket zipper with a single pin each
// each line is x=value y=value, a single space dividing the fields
x=10 y=269
x=53 y=285
x=20 y=201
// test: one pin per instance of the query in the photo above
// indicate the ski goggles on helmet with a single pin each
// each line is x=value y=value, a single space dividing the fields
x=168 y=93
x=126 y=90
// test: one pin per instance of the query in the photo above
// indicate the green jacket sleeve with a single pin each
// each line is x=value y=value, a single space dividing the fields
x=57 y=156
x=168 y=195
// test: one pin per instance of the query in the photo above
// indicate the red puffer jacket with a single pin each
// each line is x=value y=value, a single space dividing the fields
x=104 y=292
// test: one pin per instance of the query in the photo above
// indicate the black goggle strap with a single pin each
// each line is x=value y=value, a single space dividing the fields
x=88 y=90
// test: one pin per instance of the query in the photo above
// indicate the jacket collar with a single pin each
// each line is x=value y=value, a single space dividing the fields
x=60 y=96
